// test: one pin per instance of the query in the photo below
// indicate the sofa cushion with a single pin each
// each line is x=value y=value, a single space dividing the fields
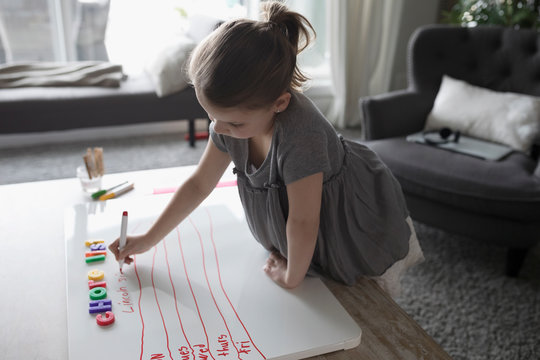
x=36 y=109
x=502 y=117
x=506 y=188
x=167 y=69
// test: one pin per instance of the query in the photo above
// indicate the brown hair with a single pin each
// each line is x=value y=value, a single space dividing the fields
x=251 y=63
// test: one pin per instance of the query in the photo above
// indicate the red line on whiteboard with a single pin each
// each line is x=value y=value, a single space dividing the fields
x=175 y=300
x=221 y=283
x=210 y=289
x=157 y=302
x=140 y=312
x=193 y=294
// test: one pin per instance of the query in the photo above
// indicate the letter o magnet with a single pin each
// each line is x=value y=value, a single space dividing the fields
x=96 y=275
x=98 y=293
x=106 y=320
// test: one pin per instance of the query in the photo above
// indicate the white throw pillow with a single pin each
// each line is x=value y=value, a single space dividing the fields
x=200 y=26
x=502 y=117
x=167 y=69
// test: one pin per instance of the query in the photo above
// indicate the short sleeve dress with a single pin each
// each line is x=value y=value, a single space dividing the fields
x=363 y=228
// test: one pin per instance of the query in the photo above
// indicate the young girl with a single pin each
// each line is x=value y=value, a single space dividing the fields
x=320 y=204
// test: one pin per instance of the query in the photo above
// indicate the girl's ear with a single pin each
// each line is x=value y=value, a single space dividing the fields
x=282 y=102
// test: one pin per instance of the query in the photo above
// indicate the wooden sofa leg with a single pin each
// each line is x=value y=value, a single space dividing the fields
x=514 y=260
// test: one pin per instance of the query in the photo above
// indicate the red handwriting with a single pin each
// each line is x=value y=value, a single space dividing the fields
x=244 y=344
x=126 y=300
x=184 y=353
x=244 y=347
x=224 y=343
x=201 y=351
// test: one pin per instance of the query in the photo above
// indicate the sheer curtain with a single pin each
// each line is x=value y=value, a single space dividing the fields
x=363 y=37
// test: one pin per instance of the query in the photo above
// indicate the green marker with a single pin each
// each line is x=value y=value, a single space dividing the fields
x=97 y=194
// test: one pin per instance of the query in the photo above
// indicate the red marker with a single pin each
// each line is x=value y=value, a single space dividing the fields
x=123 y=229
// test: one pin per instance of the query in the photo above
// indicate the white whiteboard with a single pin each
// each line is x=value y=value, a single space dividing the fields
x=199 y=294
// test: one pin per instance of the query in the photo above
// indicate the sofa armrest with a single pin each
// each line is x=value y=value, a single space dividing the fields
x=396 y=113
x=537 y=170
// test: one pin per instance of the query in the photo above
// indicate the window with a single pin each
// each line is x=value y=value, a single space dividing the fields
x=316 y=59
x=129 y=30
x=52 y=30
x=28 y=31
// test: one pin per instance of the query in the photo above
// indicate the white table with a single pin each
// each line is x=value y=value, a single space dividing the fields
x=33 y=280
x=32 y=263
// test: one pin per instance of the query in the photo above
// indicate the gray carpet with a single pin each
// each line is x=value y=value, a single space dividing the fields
x=58 y=161
x=459 y=295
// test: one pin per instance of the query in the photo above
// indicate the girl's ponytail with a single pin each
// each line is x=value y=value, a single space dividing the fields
x=294 y=25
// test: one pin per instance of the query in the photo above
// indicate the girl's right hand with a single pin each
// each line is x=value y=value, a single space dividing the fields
x=135 y=244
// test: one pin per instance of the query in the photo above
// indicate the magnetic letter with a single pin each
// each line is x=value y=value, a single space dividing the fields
x=98 y=293
x=105 y=321
x=96 y=275
x=96 y=258
x=92 y=284
x=98 y=247
x=94 y=253
x=99 y=306
x=93 y=241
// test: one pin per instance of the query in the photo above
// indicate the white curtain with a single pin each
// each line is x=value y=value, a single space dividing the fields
x=6 y=55
x=363 y=38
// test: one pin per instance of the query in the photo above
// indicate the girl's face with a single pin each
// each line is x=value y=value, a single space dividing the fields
x=238 y=122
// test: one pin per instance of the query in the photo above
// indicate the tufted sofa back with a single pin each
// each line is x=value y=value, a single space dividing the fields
x=498 y=58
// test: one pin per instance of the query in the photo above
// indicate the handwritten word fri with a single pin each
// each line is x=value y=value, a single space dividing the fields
x=243 y=347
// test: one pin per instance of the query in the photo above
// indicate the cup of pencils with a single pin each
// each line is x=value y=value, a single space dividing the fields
x=91 y=173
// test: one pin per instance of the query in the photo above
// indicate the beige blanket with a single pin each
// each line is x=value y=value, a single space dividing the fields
x=80 y=73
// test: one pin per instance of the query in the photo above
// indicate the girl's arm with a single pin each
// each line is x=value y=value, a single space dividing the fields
x=192 y=192
x=302 y=228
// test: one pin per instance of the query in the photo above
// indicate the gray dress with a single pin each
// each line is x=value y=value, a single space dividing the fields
x=362 y=229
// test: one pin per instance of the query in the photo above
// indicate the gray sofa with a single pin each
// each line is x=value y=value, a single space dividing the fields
x=498 y=202
x=38 y=109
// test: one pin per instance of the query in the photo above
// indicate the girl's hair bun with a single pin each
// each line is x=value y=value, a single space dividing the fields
x=293 y=25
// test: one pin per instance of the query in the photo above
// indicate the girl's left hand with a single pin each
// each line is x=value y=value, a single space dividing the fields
x=276 y=269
